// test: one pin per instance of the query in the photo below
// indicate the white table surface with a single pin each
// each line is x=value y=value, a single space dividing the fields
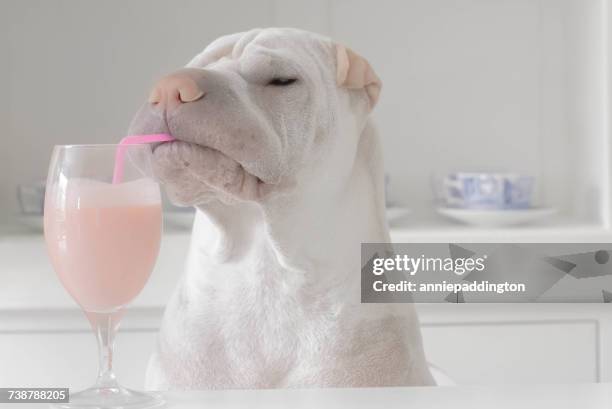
x=577 y=396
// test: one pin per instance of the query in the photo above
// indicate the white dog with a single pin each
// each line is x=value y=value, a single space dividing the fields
x=278 y=155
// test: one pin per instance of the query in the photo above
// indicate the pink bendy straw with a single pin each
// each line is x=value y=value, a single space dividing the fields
x=134 y=140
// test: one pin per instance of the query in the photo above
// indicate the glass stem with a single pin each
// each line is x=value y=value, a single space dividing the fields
x=105 y=326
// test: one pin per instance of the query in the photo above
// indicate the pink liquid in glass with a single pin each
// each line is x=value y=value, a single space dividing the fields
x=103 y=239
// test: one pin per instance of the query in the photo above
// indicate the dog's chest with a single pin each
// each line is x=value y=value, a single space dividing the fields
x=244 y=336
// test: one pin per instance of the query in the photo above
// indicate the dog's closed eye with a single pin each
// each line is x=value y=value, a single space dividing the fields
x=281 y=82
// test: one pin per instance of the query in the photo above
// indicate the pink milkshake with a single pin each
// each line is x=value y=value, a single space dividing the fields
x=103 y=223
x=103 y=239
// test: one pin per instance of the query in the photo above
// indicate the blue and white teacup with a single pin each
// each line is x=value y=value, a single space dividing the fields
x=475 y=190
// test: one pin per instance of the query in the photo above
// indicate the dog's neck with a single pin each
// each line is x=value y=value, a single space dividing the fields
x=301 y=236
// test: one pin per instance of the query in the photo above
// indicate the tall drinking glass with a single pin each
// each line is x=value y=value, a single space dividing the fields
x=103 y=238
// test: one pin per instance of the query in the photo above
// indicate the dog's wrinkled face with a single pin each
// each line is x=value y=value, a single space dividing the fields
x=248 y=114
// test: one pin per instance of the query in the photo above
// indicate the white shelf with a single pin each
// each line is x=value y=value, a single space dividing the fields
x=437 y=232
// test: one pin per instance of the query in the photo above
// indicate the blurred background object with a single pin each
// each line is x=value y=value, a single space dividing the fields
x=31 y=198
x=488 y=199
x=486 y=190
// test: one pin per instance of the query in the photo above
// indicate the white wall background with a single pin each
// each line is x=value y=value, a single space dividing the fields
x=511 y=85
x=78 y=70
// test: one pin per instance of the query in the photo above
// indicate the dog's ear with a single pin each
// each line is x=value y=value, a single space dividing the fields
x=221 y=47
x=353 y=71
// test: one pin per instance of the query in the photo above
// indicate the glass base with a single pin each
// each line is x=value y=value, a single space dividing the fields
x=112 y=398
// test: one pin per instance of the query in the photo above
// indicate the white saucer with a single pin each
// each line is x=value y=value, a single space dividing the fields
x=491 y=218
